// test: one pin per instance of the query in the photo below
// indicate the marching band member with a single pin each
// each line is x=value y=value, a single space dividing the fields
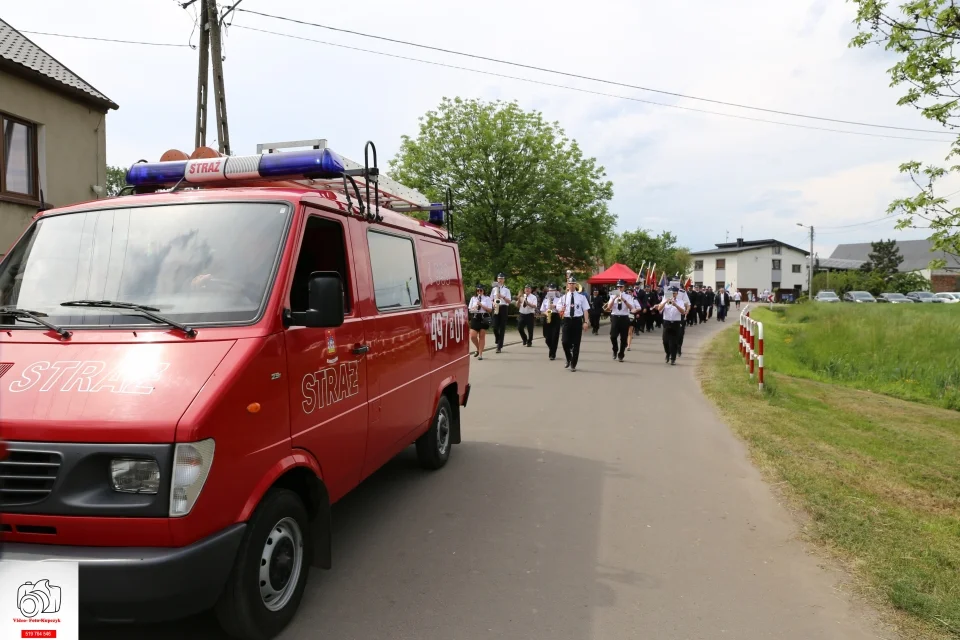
x=596 y=309
x=502 y=293
x=621 y=306
x=527 y=304
x=574 y=308
x=688 y=310
x=551 y=320
x=479 y=309
x=673 y=308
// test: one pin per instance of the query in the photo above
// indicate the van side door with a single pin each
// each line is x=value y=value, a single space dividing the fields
x=327 y=368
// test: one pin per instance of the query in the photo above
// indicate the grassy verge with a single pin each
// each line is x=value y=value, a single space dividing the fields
x=879 y=476
x=905 y=351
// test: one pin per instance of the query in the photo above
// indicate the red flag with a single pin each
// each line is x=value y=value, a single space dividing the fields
x=689 y=284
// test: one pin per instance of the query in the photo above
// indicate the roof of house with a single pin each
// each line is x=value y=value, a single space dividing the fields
x=747 y=245
x=839 y=263
x=20 y=55
x=916 y=254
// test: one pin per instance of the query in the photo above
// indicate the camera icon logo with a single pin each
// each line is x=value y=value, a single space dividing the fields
x=34 y=598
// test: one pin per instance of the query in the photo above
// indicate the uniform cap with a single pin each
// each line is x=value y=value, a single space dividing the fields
x=528 y=286
x=571 y=280
x=480 y=286
x=551 y=287
x=500 y=275
x=621 y=283
x=674 y=289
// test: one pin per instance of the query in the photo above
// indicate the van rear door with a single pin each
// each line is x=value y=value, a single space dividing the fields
x=327 y=368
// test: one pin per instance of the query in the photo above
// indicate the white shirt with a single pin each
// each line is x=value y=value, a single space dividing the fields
x=504 y=293
x=629 y=304
x=547 y=300
x=682 y=296
x=477 y=301
x=736 y=296
x=671 y=313
x=531 y=303
x=579 y=306
x=724 y=298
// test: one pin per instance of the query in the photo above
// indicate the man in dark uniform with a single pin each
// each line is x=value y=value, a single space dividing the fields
x=576 y=309
x=694 y=295
x=551 y=321
x=502 y=292
x=643 y=313
x=708 y=301
x=596 y=308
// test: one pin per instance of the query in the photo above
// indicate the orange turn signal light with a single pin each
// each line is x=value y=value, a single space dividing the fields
x=253 y=407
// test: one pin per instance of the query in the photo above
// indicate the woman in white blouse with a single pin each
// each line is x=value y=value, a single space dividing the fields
x=480 y=307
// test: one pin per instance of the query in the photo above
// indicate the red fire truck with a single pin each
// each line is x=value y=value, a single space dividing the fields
x=191 y=374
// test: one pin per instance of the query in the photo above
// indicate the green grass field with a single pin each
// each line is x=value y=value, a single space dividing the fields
x=879 y=476
x=906 y=351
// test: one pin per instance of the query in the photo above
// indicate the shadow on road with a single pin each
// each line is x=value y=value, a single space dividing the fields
x=501 y=543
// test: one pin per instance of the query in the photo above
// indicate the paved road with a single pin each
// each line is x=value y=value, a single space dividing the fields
x=571 y=512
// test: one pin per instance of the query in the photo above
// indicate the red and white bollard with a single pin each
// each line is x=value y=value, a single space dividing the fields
x=751 y=345
x=760 y=354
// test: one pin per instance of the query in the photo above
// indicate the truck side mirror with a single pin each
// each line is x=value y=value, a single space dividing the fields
x=324 y=302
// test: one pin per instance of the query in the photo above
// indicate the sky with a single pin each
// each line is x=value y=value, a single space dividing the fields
x=707 y=178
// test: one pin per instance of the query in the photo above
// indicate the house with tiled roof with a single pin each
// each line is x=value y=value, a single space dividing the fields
x=52 y=134
x=917 y=256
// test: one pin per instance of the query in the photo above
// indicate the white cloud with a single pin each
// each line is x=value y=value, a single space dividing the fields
x=701 y=176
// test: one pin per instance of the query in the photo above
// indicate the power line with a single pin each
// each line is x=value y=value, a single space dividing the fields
x=64 y=35
x=583 y=77
x=860 y=224
x=580 y=90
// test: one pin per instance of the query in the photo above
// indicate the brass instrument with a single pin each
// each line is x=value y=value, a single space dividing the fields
x=496 y=300
x=551 y=296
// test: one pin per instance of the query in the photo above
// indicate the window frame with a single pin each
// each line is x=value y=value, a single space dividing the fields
x=777 y=250
x=416 y=270
x=721 y=264
x=796 y=268
x=776 y=264
x=350 y=302
x=16 y=196
x=698 y=265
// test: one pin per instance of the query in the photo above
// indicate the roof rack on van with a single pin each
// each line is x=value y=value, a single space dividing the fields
x=314 y=165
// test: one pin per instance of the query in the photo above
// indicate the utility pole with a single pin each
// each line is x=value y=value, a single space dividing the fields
x=200 y=139
x=211 y=52
x=810 y=268
x=220 y=98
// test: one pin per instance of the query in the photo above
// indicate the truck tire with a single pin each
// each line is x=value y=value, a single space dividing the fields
x=433 y=447
x=268 y=578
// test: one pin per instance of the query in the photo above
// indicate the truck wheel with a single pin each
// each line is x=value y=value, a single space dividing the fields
x=267 y=581
x=433 y=447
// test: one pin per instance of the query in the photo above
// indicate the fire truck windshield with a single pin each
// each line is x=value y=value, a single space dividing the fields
x=193 y=263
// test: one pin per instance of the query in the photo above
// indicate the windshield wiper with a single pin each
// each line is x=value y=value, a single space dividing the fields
x=145 y=311
x=36 y=316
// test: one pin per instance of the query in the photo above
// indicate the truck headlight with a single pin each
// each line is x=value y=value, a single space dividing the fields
x=129 y=475
x=191 y=465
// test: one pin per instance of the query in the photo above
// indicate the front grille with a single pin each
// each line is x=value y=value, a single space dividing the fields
x=27 y=477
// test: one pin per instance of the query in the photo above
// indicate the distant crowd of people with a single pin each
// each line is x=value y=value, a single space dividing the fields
x=633 y=309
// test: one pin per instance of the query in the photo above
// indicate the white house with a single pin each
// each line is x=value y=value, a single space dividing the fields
x=752 y=265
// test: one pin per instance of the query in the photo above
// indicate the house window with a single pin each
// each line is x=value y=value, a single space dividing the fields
x=775 y=286
x=18 y=158
x=698 y=265
x=721 y=264
x=776 y=250
x=396 y=284
x=719 y=286
x=698 y=284
x=796 y=268
x=776 y=265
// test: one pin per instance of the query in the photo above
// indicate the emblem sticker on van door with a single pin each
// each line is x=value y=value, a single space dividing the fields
x=330 y=385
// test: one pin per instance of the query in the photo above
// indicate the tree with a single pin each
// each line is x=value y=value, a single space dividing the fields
x=633 y=248
x=116 y=180
x=883 y=258
x=923 y=34
x=526 y=200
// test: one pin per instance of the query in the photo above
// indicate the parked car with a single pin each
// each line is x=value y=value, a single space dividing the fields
x=948 y=298
x=858 y=296
x=827 y=296
x=894 y=298
x=923 y=296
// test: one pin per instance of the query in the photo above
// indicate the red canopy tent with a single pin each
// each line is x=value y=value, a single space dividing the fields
x=616 y=272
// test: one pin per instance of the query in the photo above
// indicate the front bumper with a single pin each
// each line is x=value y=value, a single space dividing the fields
x=144 y=584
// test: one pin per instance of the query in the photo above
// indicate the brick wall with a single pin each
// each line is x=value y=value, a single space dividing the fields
x=945 y=282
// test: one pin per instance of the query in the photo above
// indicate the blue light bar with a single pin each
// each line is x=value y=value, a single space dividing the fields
x=436 y=215
x=321 y=164
x=156 y=173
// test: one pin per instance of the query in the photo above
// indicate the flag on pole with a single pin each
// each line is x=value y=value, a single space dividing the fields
x=663 y=281
x=641 y=275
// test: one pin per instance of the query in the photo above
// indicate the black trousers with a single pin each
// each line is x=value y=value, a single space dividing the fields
x=672 y=335
x=595 y=321
x=648 y=318
x=500 y=325
x=551 y=334
x=702 y=312
x=722 y=314
x=525 y=327
x=619 y=329
x=710 y=311
x=572 y=334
